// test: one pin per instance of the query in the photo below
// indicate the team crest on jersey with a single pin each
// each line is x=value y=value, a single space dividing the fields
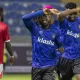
x=41 y=32
x=53 y=35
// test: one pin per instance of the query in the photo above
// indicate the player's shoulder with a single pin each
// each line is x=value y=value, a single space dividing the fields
x=78 y=18
x=65 y=20
x=2 y=24
x=56 y=27
x=56 y=24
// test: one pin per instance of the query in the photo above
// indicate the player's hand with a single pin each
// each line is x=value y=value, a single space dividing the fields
x=78 y=9
x=54 y=11
x=61 y=49
x=11 y=60
x=47 y=11
x=50 y=11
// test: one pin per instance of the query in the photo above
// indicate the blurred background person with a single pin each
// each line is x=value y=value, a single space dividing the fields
x=4 y=40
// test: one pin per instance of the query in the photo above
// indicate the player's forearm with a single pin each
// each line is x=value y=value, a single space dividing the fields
x=8 y=47
x=33 y=15
x=67 y=12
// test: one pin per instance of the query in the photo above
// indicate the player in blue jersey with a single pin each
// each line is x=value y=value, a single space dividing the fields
x=45 y=38
x=69 y=64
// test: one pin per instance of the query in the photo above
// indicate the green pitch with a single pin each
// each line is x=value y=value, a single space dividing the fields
x=18 y=77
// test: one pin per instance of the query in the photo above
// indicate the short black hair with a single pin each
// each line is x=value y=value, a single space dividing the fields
x=70 y=5
x=1 y=13
x=1 y=10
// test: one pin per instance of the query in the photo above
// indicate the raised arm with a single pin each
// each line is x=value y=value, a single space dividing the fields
x=27 y=19
x=33 y=15
x=61 y=15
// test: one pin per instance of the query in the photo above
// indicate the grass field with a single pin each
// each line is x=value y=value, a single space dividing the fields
x=18 y=77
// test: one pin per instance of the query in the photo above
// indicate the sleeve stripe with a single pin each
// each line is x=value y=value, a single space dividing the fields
x=7 y=41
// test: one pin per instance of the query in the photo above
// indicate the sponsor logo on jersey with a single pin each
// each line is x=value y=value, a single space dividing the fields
x=76 y=35
x=42 y=40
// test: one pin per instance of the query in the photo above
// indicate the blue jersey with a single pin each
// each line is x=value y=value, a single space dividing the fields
x=44 y=41
x=71 y=38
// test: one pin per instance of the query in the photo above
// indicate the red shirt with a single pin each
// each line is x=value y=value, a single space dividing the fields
x=4 y=37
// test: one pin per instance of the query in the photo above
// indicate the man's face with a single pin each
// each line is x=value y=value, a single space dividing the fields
x=72 y=16
x=45 y=20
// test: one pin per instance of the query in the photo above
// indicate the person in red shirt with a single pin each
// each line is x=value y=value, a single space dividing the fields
x=4 y=40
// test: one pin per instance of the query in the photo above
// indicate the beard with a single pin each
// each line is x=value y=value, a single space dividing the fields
x=71 y=18
x=44 y=24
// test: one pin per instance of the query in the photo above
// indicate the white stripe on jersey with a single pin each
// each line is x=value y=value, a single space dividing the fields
x=7 y=41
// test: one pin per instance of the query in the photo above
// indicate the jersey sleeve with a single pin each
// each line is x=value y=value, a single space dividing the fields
x=28 y=20
x=6 y=36
x=79 y=20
